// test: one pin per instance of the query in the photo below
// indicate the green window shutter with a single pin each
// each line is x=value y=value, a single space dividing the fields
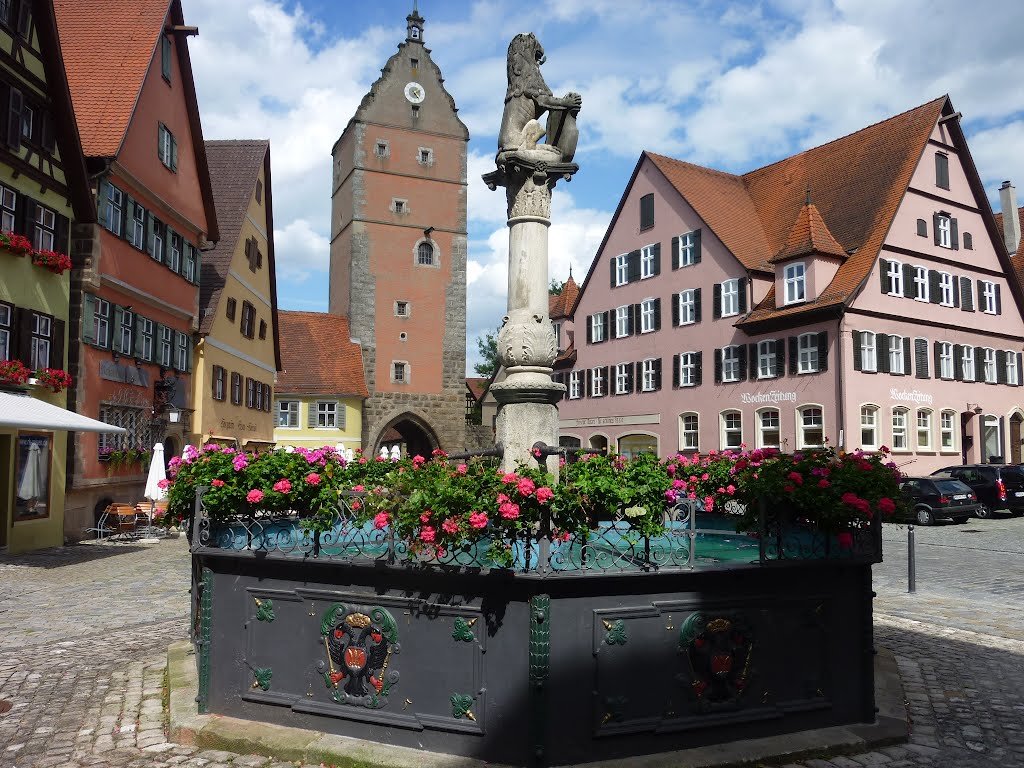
x=195 y=273
x=174 y=153
x=137 y=336
x=127 y=215
x=101 y=202
x=339 y=408
x=311 y=422
x=89 y=319
x=115 y=330
x=14 y=120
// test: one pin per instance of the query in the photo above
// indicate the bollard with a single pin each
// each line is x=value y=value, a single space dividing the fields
x=911 y=561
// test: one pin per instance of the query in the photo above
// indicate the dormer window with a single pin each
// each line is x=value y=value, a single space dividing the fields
x=796 y=283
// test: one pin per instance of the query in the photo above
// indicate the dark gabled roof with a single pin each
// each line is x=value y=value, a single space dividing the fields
x=319 y=356
x=234 y=168
x=1016 y=259
x=108 y=46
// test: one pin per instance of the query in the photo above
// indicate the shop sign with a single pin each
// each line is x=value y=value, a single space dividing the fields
x=773 y=396
x=915 y=396
x=601 y=421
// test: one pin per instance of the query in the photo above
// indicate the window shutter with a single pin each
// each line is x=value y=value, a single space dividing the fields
x=716 y=311
x=590 y=329
x=635 y=320
x=605 y=379
x=310 y=413
x=935 y=228
x=604 y=323
x=657 y=374
x=696 y=305
x=741 y=351
x=631 y=377
x=675 y=310
x=588 y=387
x=922 y=228
x=1001 y=366
x=339 y=409
x=999 y=300
x=657 y=258
x=14 y=119
x=941 y=170
x=630 y=314
x=675 y=371
x=823 y=351
x=699 y=368
x=934 y=286
x=657 y=314
x=188 y=352
x=753 y=361
x=213 y=382
x=675 y=253
x=882 y=352
x=906 y=356
x=883 y=273
x=858 y=359
x=979 y=364
x=137 y=336
x=696 y=246
x=89 y=319
x=633 y=263
x=954 y=234
x=22 y=336
x=57 y=345
x=908 y=281
x=115 y=329
x=101 y=202
x=127 y=214
x=1020 y=370
x=980 y=288
x=966 y=295
x=780 y=357
x=958 y=362
x=741 y=289
x=277 y=411
x=956 y=291
x=921 y=358
x=174 y=153
x=794 y=356
x=937 y=358
x=718 y=366
x=150 y=229
x=611 y=263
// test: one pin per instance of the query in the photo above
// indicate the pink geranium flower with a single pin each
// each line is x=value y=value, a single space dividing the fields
x=526 y=486
x=163 y=484
x=508 y=510
x=545 y=494
x=510 y=477
x=239 y=462
x=217 y=483
x=462 y=469
x=283 y=486
x=255 y=496
x=381 y=520
x=427 y=533
x=313 y=478
x=449 y=526
x=478 y=519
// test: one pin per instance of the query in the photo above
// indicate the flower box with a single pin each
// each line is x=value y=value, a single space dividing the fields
x=14 y=372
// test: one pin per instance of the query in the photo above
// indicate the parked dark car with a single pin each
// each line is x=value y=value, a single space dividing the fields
x=938 y=498
x=1000 y=487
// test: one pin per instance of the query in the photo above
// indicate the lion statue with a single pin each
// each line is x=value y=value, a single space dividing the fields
x=529 y=97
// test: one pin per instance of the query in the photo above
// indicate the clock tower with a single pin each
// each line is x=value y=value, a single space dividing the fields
x=398 y=251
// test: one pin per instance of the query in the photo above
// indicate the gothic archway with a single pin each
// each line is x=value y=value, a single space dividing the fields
x=417 y=437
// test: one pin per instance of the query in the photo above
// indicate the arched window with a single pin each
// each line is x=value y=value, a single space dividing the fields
x=869 y=426
x=811 y=426
x=689 y=432
x=924 y=429
x=732 y=430
x=947 y=432
x=899 y=429
x=768 y=428
x=425 y=253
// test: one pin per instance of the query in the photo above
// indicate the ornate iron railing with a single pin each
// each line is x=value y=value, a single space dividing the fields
x=691 y=539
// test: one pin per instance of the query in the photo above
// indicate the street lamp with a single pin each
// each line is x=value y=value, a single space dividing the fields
x=173 y=415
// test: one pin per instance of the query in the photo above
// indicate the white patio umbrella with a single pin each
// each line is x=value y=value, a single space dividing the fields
x=396 y=453
x=384 y=452
x=157 y=473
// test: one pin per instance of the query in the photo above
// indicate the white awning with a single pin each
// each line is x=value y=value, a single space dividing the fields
x=24 y=412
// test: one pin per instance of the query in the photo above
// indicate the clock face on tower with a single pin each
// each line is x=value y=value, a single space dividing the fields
x=414 y=92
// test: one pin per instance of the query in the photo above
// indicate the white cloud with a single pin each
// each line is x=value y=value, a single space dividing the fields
x=301 y=253
x=999 y=155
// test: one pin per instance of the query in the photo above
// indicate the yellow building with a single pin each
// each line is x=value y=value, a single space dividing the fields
x=238 y=355
x=321 y=388
x=43 y=187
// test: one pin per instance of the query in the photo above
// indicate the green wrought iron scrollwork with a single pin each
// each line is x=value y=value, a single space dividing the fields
x=463 y=630
x=262 y=675
x=461 y=704
x=205 y=616
x=264 y=610
x=615 y=632
x=540 y=668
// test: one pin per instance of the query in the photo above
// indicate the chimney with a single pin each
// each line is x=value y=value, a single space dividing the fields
x=1011 y=218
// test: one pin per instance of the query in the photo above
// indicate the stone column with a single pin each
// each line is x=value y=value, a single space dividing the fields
x=527 y=398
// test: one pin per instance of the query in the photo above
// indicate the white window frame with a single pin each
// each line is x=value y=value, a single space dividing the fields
x=947 y=431
x=869 y=422
x=42 y=341
x=8 y=205
x=126 y=333
x=730 y=363
x=596 y=328
x=896 y=362
x=285 y=409
x=894 y=270
x=767 y=359
x=774 y=426
x=810 y=417
x=689 y=431
x=326 y=414
x=899 y=429
x=6 y=321
x=967 y=364
x=647 y=262
x=687 y=306
x=989 y=294
x=574 y=385
x=166 y=345
x=137 y=235
x=622 y=269
x=807 y=353
x=990 y=370
x=101 y=319
x=647 y=374
x=44 y=230
x=730 y=298
x=621 y=321
x=1012 y=374
x=947 y=369
x=947 y=287
x=944 y=228
x=622 y=378
x=796 y=282
x=647 y=316
x=731 y=423
x=868 y=351
x=597 y=382
x=400 y=372
x=183 y=341
x=687 y=250
x=688 y=369
x=923 y=419
x=920 y=283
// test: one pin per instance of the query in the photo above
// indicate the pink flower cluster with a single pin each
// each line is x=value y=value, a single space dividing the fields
x=283 y=486
x=255 y=496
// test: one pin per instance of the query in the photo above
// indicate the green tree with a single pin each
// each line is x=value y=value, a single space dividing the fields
x=555 y=288
x=487 y=347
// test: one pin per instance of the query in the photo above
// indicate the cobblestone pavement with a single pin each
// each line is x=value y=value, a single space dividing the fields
x=85 y=630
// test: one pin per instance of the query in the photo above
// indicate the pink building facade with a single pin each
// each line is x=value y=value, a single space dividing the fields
x=858 y=293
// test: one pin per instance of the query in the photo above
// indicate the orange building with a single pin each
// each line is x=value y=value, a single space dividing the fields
x=134 y=300
x=398 y=250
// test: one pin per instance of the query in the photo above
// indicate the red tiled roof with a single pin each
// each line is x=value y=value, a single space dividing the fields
x=562 y=305
x=107 y=47
x=857 y=181
x=1016 y=259
x=477 y=386
x=318 y=357
x=809 y=235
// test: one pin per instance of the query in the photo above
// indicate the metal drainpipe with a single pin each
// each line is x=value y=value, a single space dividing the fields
x=841 y=405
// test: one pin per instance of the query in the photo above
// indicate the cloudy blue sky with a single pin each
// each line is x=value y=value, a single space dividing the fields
x=729 y=85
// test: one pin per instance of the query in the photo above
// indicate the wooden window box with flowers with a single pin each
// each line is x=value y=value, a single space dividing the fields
x=19 y=245
x=16 y=373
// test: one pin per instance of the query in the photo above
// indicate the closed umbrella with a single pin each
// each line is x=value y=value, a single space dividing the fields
x=30 y=487
x=157 y=474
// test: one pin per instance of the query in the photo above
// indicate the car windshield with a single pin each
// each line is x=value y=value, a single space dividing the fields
x=951 y=486
x=1012 y=476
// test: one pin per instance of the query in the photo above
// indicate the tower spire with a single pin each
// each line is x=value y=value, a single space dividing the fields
x=414 y=25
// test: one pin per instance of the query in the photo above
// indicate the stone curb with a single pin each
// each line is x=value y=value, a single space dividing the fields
x=247 y=737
